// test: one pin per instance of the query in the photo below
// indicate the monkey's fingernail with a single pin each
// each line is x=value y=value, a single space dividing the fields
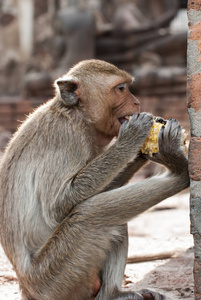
x=159 y=120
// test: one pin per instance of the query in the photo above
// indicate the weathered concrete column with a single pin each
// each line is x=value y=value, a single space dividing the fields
x=194 y=110
x=25 y=21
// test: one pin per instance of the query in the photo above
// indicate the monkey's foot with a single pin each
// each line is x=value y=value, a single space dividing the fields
x=141 y=295
x=150 y=295
x=127 y=296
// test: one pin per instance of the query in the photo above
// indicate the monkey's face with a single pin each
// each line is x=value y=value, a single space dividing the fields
x=124 y=105
x=101 y=90
x=113 y=108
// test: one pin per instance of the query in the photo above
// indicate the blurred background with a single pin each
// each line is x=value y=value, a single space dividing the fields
x=41 y=40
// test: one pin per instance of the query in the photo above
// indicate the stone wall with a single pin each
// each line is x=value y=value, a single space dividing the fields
x=194 y=110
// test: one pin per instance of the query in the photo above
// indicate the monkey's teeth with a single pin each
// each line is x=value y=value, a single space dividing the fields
x=123 y=119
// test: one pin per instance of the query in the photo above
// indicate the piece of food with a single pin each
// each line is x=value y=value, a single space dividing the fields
x=150 y=144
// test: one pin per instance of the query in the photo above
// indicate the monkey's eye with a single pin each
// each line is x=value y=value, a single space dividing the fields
x=122 y=87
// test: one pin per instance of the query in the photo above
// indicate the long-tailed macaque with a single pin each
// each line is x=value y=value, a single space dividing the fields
x=63 y=206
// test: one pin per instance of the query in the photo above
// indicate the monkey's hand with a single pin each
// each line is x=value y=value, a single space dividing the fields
x=150 y=144
x=133 y=132
x=170 y=153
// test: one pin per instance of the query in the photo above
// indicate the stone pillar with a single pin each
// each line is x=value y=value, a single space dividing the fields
x=25 y=22
x=194 y=110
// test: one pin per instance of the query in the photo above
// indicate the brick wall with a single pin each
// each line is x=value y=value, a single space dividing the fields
x=167 y=106
x=12 y=111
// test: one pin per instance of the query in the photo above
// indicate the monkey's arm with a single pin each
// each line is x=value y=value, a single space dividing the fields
x=160 y=157
x=95 y=176
x=128 y=172
x=127 y=202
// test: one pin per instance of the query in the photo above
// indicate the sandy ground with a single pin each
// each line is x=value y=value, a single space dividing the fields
x=163 y=230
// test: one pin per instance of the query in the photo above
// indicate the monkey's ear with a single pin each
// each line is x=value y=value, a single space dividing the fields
x=69 y=92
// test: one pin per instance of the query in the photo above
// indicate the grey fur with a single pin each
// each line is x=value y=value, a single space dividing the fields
x=63 y=207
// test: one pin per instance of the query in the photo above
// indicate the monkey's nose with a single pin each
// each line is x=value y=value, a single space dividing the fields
x=136 y=101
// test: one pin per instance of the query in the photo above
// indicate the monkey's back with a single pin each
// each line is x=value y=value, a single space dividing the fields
x=34 y=166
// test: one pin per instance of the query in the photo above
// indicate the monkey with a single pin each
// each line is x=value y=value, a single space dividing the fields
x=64 y=201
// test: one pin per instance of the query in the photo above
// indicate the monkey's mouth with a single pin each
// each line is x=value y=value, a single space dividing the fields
x=123 y=119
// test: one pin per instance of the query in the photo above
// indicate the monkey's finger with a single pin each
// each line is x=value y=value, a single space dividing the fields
x=161 y=138
x=171 y=130
x=165 y=138
x=167 y=129
x=141 y=116
x=146 y=115
x=135 y=116
x=175 y=135
x=141 y=122
x=160 y=120
x=175 y=132
x=147 y=119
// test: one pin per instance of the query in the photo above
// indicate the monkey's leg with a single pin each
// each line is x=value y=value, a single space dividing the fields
x=142 y=295
x=112 y=274
x=68 y=266
x=113 y=270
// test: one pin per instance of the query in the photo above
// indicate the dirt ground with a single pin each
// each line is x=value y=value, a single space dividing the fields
x=163 y=231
